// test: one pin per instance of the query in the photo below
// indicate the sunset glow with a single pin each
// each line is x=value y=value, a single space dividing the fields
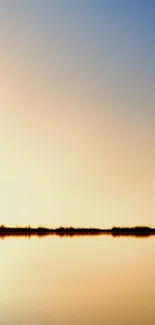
x=77 y=118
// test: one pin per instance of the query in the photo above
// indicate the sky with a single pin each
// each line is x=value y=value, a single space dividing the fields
x=77 y=112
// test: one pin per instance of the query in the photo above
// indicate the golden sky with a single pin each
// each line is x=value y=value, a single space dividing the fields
x=76 y=117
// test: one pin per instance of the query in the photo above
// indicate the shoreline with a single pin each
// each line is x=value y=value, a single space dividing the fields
x=138 y=231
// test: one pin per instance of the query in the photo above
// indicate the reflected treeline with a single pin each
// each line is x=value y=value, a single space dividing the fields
x=138 y=231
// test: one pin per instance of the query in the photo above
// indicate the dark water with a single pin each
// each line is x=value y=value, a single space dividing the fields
x=81 y=280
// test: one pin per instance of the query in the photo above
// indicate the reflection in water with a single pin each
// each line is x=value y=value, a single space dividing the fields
x=75 y=235
x=80 y=280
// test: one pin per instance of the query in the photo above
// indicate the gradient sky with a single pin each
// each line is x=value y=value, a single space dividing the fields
x=77 y=112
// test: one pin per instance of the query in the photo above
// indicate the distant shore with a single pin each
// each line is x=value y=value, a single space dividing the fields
x=138 y=231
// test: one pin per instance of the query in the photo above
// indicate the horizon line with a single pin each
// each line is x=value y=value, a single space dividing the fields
x=28 y=231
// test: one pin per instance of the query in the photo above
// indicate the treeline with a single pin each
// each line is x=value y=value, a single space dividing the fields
x=72 y=231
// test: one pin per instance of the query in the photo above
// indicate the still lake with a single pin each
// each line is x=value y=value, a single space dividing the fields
x=80 y=280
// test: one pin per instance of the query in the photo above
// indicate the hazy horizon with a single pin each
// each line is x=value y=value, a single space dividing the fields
x=77 y=118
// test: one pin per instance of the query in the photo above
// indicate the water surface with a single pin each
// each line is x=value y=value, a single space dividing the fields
x=80 y=280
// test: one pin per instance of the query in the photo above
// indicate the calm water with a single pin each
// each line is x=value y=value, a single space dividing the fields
x=82 y=280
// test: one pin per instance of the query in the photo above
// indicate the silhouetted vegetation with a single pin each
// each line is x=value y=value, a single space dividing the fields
x=138 y=231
